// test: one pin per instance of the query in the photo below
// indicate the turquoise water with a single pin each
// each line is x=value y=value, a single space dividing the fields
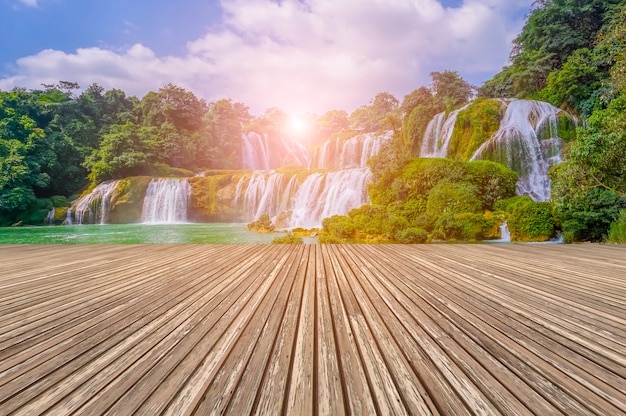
x=136 y=234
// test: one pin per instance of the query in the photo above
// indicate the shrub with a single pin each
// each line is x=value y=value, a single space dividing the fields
x=328 y=239
x=531 y=221
x=393 y=225
x=262 y=225
x=449 y=197
x=412 y=235
x=339 y=226
x=288 y=238
x=617 y=232
x=464 y=226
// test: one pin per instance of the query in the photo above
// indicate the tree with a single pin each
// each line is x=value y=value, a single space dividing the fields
x=450 y=89
x=127 y=150
x=221 y=146
x=179 y=115
x=600 y=151
x=378 y=115
x=420 y=96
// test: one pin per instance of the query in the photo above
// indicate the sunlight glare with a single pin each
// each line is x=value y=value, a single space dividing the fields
x=298 y=124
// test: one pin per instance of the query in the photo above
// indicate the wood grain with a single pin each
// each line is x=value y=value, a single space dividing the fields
x=313 y=329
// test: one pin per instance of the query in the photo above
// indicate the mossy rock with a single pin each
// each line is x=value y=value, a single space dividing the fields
x=127 y=202
x=213 y=197
x=474 y=126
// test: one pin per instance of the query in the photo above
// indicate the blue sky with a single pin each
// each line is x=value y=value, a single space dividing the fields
x=297 y=55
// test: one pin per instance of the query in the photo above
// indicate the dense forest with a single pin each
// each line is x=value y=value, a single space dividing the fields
x=60 y=141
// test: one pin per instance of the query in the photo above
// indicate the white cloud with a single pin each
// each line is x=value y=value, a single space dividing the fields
x=306 y=55
x=30 y=3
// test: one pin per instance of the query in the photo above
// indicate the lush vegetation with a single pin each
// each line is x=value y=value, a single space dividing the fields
x=263 y=224
x=56 y=143
x=431 y=199
x=288 y=238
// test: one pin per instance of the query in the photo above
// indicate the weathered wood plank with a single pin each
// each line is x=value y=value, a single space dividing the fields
x=244 y=329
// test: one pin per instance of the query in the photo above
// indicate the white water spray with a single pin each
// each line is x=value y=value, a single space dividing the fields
x=94 y=207
x=166 y=201
x=528 y=143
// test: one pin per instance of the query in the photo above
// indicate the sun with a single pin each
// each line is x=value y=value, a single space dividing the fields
x=298 y=125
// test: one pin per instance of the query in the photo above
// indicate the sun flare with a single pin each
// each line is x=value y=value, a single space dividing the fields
x=298 y=124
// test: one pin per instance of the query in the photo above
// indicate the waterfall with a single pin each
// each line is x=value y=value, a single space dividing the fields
x=265 y=153
x=94 y=207
x=505 y=235
x=296 y=153
x=323 y=195
x=320 y=195
x=166 y=201
x=438 y=133
x=352 y=153
x=255 y=152
x=306 y=201
x=50 y=217
x=528 y=143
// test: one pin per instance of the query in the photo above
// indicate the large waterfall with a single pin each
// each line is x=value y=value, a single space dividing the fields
x=293 y=198
x=438 y=134
x=304 y=203
x=320 y=195
x=261 y=152
x=527 y=142
x=351 y=153
x=93 y=207
x=166 y=201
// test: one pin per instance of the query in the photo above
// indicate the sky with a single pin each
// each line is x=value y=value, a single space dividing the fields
x=301 y=56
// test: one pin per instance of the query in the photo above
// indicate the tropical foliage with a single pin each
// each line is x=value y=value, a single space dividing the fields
x=57 y=142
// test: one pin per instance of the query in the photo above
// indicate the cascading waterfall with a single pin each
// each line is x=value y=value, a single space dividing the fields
x=50 y=217
x=438 y=133
x=166 y=201
x=320 y=195
x=352 y=153
x=265 y=153
x=528 y=143
x=323 y=195
x=296 y=153
x=94 y=207
x=505 y=234
x=255 y=152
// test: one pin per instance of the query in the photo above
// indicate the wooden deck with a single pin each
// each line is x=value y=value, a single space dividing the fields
x=299 y=330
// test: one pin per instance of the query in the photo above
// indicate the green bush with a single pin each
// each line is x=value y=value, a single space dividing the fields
x=449 y=197
x=288 y=238
x=617 y=232
x=262 y=225
x=339 y=226
x=59 y=201
x=507 y=204
x=463 y=226
x=393 y=225
x=328 y=239
x=531 y=221
x=412 y=236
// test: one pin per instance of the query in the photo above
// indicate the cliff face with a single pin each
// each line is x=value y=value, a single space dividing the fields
x=212 y=198
x=127 y=201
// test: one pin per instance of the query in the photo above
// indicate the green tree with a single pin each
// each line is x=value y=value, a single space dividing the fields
x=178 y=115
x=127 y=150
x=380 y=114
x=451 y=90
x=221 y=146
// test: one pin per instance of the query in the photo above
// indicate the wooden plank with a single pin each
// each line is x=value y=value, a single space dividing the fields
x=245 y=329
